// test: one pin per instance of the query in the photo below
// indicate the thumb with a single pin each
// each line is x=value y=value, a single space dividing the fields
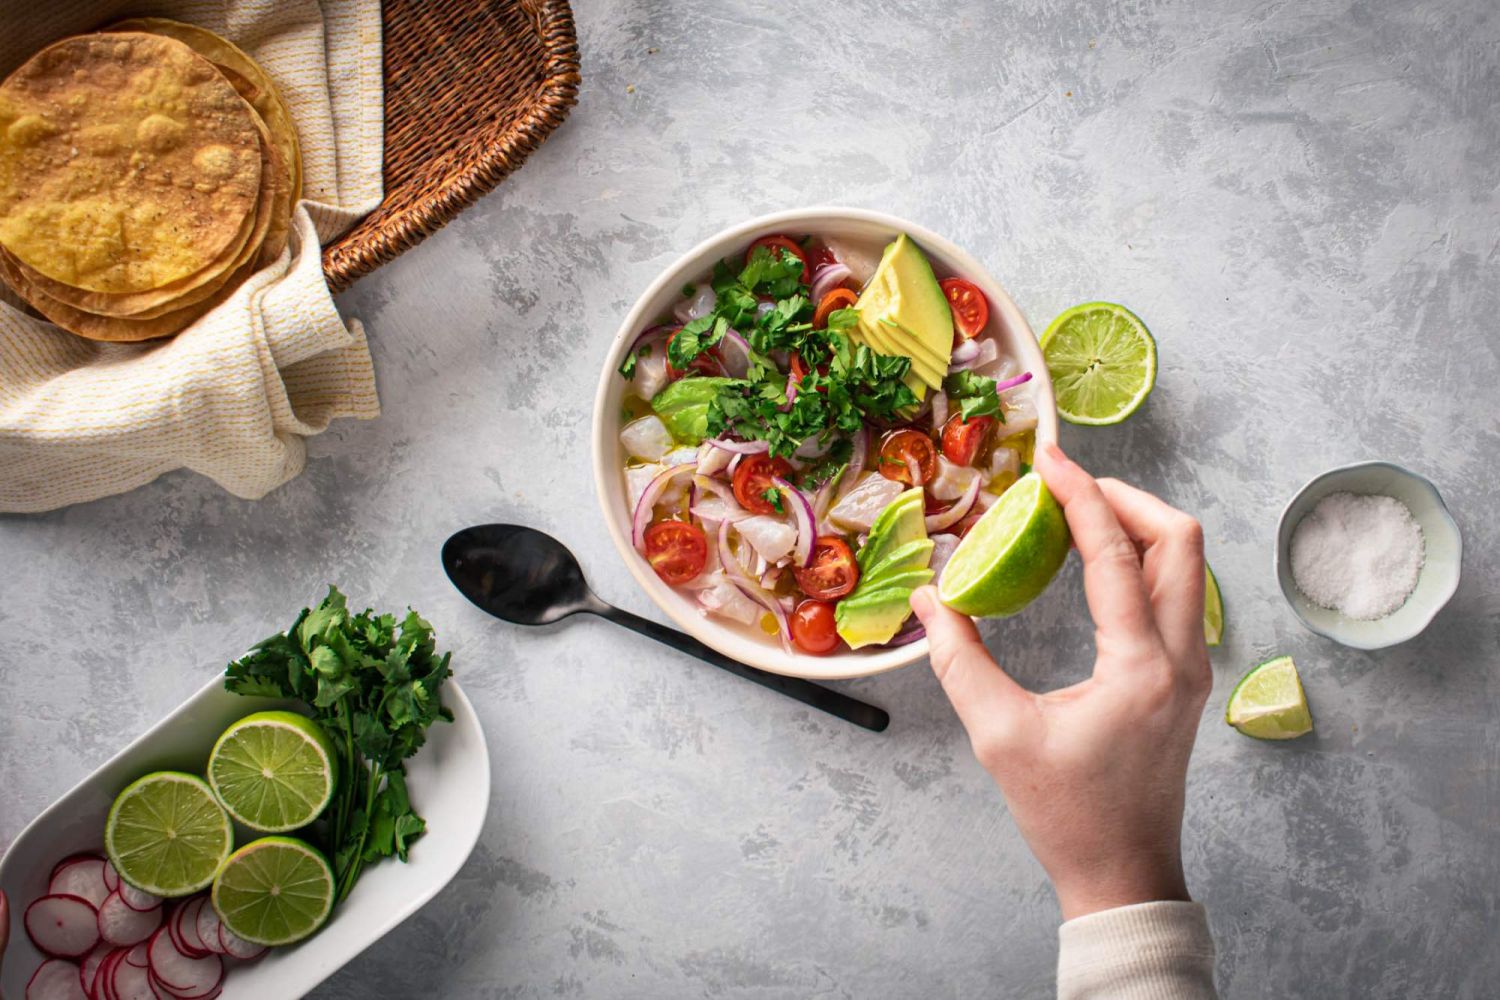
x=989 y=704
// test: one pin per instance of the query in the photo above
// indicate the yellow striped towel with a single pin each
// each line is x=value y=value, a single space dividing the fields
x=234 y=395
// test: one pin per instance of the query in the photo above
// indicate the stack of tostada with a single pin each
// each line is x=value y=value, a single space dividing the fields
x=145 y=171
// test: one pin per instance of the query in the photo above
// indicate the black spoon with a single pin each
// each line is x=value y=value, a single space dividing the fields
x=527 y=577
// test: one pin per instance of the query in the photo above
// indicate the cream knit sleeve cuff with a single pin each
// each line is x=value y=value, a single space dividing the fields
x=1150 y=951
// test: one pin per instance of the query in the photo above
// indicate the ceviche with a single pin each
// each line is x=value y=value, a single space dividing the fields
x=810 y=433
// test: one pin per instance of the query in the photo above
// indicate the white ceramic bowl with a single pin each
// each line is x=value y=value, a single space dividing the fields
x=1441 y=568
x=1007 y=325
x=449 y=780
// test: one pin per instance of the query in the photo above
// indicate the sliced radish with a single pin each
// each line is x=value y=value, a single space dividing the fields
x=60 y=925
x=137 y=955
x=128 y=981
x=185 y=977
x=81 y=877
x=123 y=926
x=73 y=858
x=111 y=877
x=208 y=929
x=104 y=978
x=89 y=967
x=55 y=979
x=182 y=925
x=193 y=945
x=237 y=947
x=137 y=899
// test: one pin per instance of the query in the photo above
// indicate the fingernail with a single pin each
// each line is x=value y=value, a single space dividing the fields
x=922 y=602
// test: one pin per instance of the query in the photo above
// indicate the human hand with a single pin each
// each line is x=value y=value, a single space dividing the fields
x=1095 y=774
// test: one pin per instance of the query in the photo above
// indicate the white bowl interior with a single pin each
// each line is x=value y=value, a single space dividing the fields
x=1442 y=558
x=450 y=788
x=1007 y=325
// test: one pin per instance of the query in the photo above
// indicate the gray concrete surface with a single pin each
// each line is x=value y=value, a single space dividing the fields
x=1299 y=198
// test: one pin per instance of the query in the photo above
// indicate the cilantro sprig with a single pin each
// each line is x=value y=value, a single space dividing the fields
x=975 y=395
x=374 y=686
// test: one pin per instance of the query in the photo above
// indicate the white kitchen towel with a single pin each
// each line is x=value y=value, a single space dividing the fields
x=234 y=395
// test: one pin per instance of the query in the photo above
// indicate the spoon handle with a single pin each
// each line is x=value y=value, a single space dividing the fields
x=819 y=697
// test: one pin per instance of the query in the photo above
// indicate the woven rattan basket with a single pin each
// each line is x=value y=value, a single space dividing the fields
x=471 y=88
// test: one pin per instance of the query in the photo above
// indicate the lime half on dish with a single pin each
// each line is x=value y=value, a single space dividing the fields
x=1103 y=363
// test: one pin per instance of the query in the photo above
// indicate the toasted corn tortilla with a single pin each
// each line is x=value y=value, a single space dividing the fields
x=265 y=228
x=245 y=74
x=127 y=161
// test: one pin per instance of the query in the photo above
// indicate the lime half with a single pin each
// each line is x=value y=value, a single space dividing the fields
x=167 y=835
x=274 y=771
x=1268 y=702
x=1213 y=609
x=1103 y=363
x=274 y=891
x=1011 y=554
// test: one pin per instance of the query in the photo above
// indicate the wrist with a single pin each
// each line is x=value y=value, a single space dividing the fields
x=1107 y=887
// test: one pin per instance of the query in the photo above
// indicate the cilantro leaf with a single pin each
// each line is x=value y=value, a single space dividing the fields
x=975 y=395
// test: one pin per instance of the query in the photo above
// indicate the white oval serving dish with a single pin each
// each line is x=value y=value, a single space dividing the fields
x=449 y=781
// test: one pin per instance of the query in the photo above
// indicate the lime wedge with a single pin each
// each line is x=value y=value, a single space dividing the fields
x=1103 y=363
x=1268 y=702
x=273 y=771
x=166 y=834
x=1213 y=609
x=1010 y=555
x=274 y=891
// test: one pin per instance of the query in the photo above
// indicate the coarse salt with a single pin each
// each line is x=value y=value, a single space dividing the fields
x=1357 y=555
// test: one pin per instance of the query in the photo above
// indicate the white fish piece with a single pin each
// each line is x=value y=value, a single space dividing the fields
x=999 y=367
x=651 y=372
x=1004 y=460
x=1019 y=406
x=770 y=537
x=942 y=550
x=680 y=456
x=647 y=438
x=638 y=477
x=861 y=262
x=722 y=598
x=952 y=481
x=858 y=510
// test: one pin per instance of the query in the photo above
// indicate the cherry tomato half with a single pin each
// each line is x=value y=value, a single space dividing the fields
x=753 y=478
x=971 y=311
x=678 y=551
x=832 y=571
x=903 y=449
x=820 y=257
x=814 y=629
x=776 y=244
x=839 y=298
x=706 y=363
x=962 y=438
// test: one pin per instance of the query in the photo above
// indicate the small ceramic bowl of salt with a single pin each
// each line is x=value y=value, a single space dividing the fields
x=1367 y=554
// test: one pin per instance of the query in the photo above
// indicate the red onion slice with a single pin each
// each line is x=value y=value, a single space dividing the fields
x=791 y=393
x=741 y=447
x=954 y=514
x=734 y=353
x=770 y=603
x=648 y=333
x=827 y=278
x=802 y=515
x=906 y=637
x=985 y=351
x=940 y=408
x=967 y=351
x=1011 y=383
x=730 y=561
x=643 y=507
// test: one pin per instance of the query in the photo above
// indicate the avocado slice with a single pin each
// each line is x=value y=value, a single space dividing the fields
x=902 y=521
x=871 y=623
x=907 y=580
x=905 y=292
x=883 y=340
x=683 y=406
x=893 y=563
x=912 y=555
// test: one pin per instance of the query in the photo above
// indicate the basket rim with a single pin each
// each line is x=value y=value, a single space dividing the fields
x=349 y=258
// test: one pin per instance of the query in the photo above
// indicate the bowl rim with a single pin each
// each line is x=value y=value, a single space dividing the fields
x=850 y=663
x=1284 y=541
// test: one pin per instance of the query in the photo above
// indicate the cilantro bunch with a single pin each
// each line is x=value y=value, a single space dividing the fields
x=845 y=385
x=374 y=687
